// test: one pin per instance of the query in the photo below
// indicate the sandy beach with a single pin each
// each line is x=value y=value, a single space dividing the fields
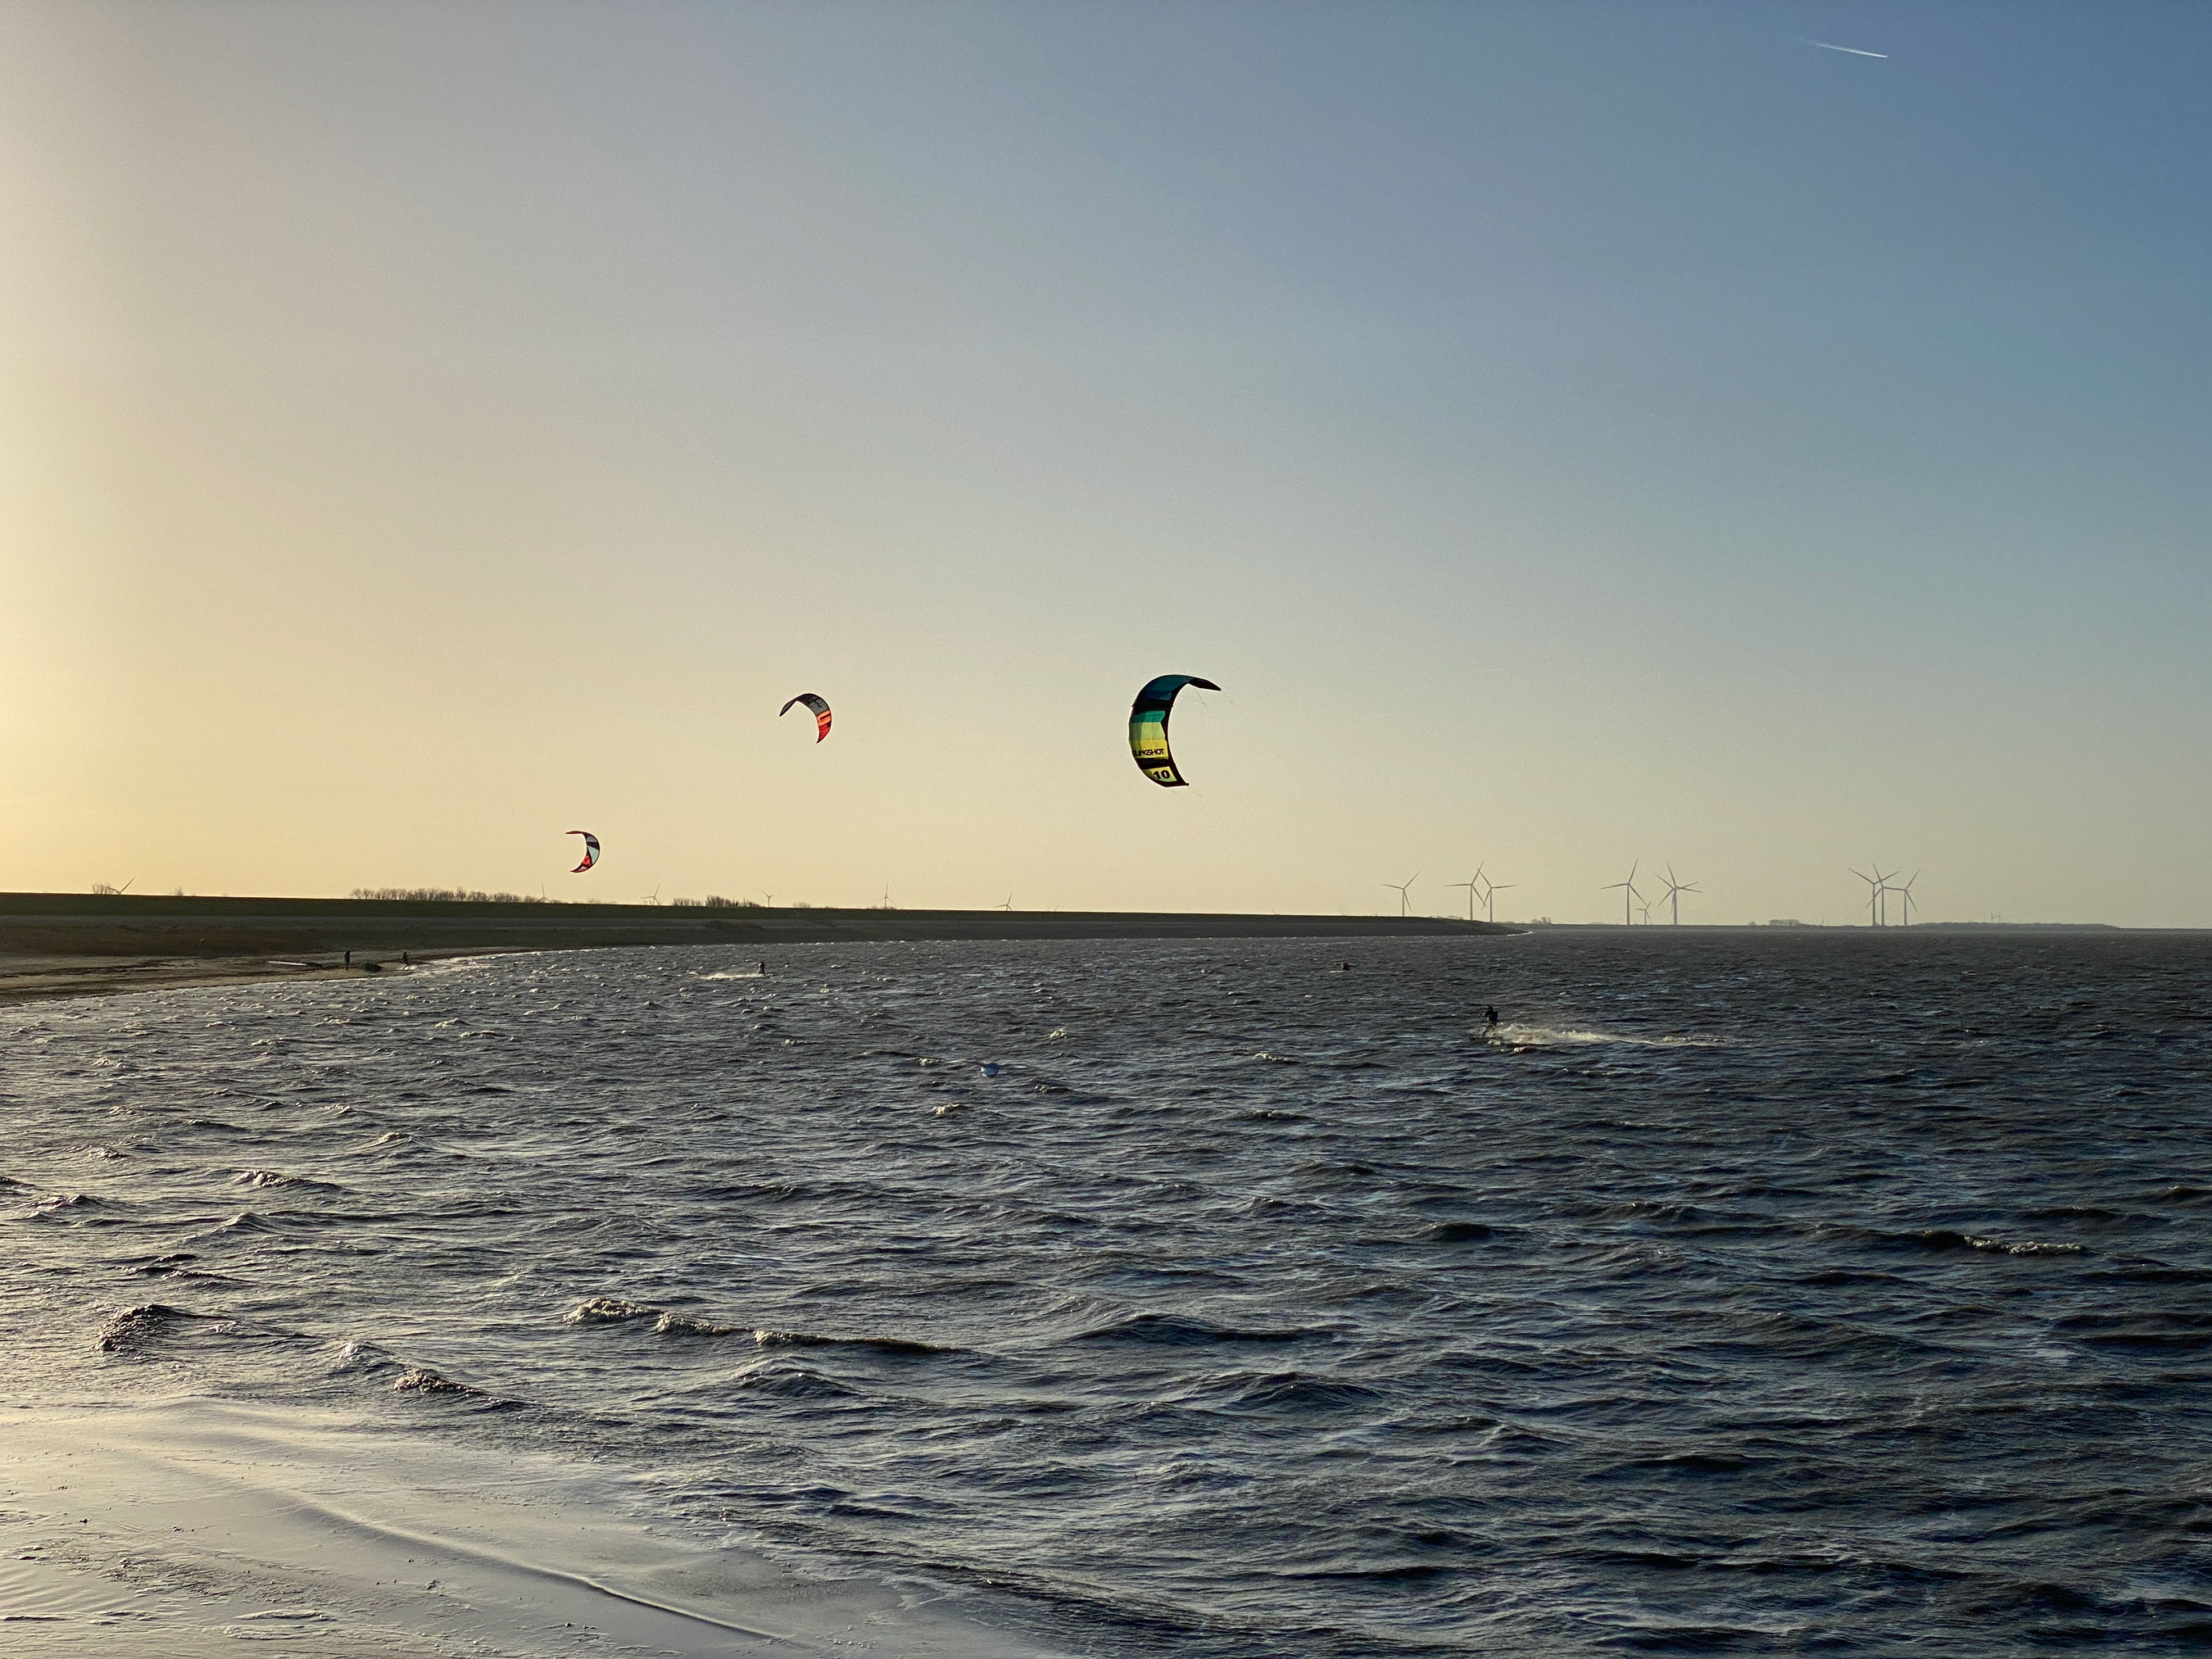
x=177 y=1530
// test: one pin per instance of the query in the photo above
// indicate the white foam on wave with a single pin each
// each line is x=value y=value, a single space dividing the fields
x=1512 y=1035
x=750 y=972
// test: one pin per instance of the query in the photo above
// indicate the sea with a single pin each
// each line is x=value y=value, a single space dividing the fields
x=1758 y=1290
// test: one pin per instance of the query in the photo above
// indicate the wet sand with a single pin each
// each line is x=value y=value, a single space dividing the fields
x=182 y=1530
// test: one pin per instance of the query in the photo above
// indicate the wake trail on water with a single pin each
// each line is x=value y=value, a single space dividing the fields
x=1508 y=1033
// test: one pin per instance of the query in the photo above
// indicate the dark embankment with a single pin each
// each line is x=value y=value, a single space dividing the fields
x=69 y=925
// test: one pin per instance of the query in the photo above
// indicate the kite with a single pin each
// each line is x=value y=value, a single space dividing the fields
x=821 y=712
x=591 y=851
x=1148 y=727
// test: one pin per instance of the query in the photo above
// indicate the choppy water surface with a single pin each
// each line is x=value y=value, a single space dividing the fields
x=1777 y=1292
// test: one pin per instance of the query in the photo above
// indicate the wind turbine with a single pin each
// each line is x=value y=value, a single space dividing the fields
x=1404 y=890
x=1490 y=893
x=1628 y=897
x=1673 y=895
x=1009 y=905
x=1470 y=885
x=1905 y=893
x=1873 y=891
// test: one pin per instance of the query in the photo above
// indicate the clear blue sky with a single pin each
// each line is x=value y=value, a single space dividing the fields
x=1572 y=434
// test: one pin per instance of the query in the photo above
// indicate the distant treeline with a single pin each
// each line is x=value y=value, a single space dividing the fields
x=449 y=896
x=463 y=895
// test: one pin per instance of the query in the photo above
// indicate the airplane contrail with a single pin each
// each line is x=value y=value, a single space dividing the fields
x=1830 y=46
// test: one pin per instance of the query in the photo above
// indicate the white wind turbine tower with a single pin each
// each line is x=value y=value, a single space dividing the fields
x=1490 y=892
x=1470 y=886
x=1628 y=897
x=1405 y=891
x=1874 y=893
x=1905 y=893
x=1673 y=895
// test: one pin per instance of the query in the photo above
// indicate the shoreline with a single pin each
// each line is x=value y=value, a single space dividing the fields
x=70 y=944
x=50 y=977
x=188 y=1528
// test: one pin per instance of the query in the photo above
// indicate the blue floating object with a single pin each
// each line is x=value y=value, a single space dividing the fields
x=991 y=1070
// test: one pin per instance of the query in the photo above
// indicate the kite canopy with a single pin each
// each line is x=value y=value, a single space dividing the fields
x=1148 y=727
x=821 y=712
x=591 y=851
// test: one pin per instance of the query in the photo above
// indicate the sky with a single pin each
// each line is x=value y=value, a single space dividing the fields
x=1572 y=434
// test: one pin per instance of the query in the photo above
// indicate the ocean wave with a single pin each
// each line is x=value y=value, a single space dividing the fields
x=259 y=1178
x=1182 y=1330
x=422 y=1380
x=246 y=1221
x=787 y=1381
x=608 y=1311
x=66 y=1204
x=1942 y=1238
x=892 y=1345
x=1455 y=1232
x=133 y=1330
x=1288 y=1391
x=677 y=1324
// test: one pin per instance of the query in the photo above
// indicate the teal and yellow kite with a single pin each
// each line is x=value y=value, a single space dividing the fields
x=1148 y=727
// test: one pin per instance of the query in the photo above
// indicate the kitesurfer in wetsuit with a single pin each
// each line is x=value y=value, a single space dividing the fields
x=1490 y=1019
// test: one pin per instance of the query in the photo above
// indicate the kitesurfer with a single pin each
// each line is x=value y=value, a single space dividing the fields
x=1490 y=1019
